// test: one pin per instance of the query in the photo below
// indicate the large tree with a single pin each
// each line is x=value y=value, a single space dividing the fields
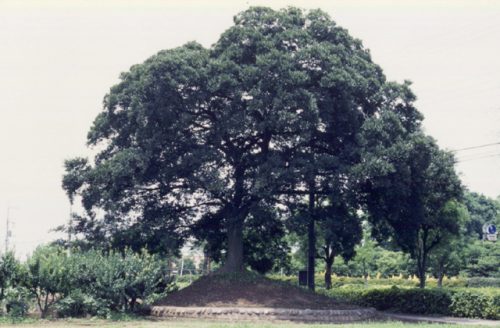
x=271 y=111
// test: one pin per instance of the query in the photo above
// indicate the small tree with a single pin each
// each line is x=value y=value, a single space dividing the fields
x=410 y=190
x=447 y=260
x=339 y=230
x=47 y=276
x=118 y=279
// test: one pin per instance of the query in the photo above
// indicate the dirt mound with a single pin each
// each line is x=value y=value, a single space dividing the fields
x=247 y=290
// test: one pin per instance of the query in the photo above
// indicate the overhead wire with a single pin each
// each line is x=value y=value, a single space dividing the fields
x=476 y=158
x=476 y=147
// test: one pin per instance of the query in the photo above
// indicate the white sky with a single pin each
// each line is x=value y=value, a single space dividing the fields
x=59 y=58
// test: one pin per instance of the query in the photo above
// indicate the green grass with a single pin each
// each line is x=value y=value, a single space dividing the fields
x=75 y=323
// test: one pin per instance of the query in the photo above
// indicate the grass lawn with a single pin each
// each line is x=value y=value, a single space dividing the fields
x=74 y=323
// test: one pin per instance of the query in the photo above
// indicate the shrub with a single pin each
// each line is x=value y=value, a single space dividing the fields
x=346 y=293
x=415 y=301
x=472 y=304
x=17 y=302
x=10 y=272
x=93 y=283
x=117 y=281
x=475 y=303
x=78 y=304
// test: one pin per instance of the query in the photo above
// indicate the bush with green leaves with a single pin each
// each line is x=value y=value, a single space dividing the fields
x=414 y=300
x=94 y=283
x=10 y=273
x=459 y=302
x=79 y=304
x=17 y=301
x=474 y=304
x=118 y=281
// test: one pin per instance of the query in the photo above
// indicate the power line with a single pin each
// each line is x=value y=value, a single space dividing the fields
x=476 y=158
x=476 y=147
x=474 y=154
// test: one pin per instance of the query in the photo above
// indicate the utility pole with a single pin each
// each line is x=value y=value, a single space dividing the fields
x=70 y=226
x=8 y=232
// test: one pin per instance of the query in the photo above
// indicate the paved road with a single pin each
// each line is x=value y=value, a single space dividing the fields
x=449 y=320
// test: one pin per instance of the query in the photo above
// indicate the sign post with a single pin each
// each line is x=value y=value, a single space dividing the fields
x=490 y=232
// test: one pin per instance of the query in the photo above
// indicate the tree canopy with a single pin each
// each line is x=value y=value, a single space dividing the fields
x=279 y=108
x=411 y=192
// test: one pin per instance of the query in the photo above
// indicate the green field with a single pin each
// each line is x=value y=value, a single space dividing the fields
x=211 y=324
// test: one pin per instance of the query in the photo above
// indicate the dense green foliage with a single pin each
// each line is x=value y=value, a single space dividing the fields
x=87 y=283
x=283 y=135
x=413 y=196
x=482 y=259
x=10 y=273
x=460 y=303
x=400 y=294
x=273 y=113
x=117 y=280
x=47 y=276
x=482 y=210
x=415 y=301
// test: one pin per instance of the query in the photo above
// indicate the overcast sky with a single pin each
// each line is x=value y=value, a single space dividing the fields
x=59 y=58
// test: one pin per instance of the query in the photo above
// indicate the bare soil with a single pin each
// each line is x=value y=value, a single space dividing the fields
x=248 y=290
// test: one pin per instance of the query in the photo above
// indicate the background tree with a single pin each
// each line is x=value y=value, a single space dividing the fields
x=373 y=258
x=366 y=252
x=339 y=231
x=482 y=259
x=412 y=194
x=482 y=210
x=447 y=259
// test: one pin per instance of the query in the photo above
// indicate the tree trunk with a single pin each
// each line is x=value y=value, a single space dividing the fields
x=234 y=258
x=422 y=252
x=365 y=274
x=311 y=238
x=422 y=266
x=440 y=275
x=440 y=280
x=328 y=274
x=205 y=267
x=422 y=281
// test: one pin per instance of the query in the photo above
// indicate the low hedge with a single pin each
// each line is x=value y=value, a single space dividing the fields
x=414 y=300
x=483 y=282
x=340 y=281
x=475 y=303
